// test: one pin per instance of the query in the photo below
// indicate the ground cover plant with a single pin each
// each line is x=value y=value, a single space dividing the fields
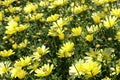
x=59 y=39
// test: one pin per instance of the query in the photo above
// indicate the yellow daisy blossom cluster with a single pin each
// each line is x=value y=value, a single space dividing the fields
x=12 y=27
x=59 y=39
x=87 y=68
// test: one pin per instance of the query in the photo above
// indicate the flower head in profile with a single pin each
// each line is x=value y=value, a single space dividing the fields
x=45 y=70
x=93 y=28
x=115 y=12
x=91 y=68
x=60 y=34
x=96 y=18
x=6 y=53
x=110 y=21
x=89 y=37
x=22 y=27
x=60 y=22
x=18 y=72
x=14 y=9
x=7 y=2
x=66 y=50
x=4 y=67
x=23 y=44
x=30 y=7
x=77 y=31
x=78 y=9
x=11 y=28
x=53 y=17
x=23 y=62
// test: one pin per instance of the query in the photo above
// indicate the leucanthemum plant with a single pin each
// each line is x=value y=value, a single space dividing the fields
x=59 y=39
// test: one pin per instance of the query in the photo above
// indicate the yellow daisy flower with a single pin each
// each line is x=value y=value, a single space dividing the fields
x=66 y=50
x=77 y=31
x=18 y=72
x=109 y=21
x=6 y=53
x=45 y=70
